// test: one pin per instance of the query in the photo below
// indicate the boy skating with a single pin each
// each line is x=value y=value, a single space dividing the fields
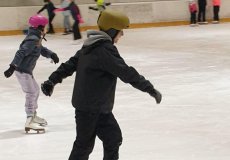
x=98 y=65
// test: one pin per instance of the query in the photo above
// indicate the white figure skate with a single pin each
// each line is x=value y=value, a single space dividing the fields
x=39 y=120
x=31 y=125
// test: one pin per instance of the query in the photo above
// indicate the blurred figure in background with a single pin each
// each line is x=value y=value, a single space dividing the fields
x=75 y=12
x=50 y=8
x=66 y=14
x=193 y=11
x=101 y=5
x=202 y=12
x=216 y=9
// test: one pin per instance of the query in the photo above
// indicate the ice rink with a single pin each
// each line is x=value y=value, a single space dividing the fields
x=189 y=65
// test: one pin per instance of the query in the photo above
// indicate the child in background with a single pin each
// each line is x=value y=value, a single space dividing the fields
x=216 y=9
x=66 y=14
x=101 y=5
x=75 y=12
x=23 y=65
x=202 y=12
x=193 y=11
x=50 y=8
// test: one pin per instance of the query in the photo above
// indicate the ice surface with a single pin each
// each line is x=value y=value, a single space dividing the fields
x=190 y=66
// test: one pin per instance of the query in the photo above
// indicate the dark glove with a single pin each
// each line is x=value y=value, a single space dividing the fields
x=157 y=95
x=93 y=8
x=9 y=71
x=47 y=87
x=54 y=57
x=108 y=4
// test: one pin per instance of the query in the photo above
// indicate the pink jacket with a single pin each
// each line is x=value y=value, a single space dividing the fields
x=192 y=7
x=216 y=2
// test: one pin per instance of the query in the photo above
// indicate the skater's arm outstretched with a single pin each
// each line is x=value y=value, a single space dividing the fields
x=113 y=63
x=42 y=9
x=64 y=70
x=45 y=52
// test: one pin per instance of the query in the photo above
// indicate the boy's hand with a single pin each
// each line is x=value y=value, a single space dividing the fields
x=47 y=87
x=157 y=95
x=55 y=58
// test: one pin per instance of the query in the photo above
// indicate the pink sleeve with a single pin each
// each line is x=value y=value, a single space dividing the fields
x=59 y=10
x=80 y=18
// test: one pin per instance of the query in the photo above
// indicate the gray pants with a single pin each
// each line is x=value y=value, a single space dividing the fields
x=31 y=89
x=67 y=23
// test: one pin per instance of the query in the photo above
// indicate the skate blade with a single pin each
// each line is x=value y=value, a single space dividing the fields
x=27 y=129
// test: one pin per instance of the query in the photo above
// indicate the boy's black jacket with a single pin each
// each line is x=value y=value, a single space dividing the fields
x=97 y=67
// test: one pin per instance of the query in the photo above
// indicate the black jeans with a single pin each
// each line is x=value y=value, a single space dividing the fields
x=51 y=29
x=76 y=31
x=216 y=13
x=193 y=18
x=201 y=13
x=90 y=125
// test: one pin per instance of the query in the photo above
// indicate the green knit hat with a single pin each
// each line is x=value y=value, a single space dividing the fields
x=109 y=19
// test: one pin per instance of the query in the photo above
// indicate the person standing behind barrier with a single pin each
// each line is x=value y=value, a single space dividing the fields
x=216 y=9
x=66 y=14
x=193 y=11
x=202 y=11
x=50 y=8
x=75 y=12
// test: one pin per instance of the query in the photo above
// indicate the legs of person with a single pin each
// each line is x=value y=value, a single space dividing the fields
x=218 y=10
x=31 y=89
x=109 y=132
x=204 y=14
x=76 y=31
x=216 y=13
x=199 y=13
x=193 y=18
x=86 y=134
x=51 y=30
x=66 y=24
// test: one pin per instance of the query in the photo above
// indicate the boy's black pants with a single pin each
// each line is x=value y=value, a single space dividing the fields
x=90 y=125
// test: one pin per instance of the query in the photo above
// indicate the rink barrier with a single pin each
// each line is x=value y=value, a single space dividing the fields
x=132 y=26
x=141 y=14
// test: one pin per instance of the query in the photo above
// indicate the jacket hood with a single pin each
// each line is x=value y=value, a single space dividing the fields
x=95 y=36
